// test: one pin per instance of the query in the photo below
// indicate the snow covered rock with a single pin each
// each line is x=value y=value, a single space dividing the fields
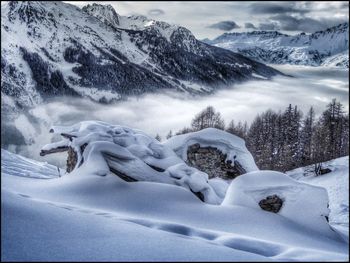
x=213 y=151
x=99 y=148
x=105 y=13
x=304 y=204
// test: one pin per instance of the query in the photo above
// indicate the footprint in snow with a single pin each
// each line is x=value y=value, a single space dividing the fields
x=25 y=196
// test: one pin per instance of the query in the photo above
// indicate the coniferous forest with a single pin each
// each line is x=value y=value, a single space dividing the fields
x=287 y=139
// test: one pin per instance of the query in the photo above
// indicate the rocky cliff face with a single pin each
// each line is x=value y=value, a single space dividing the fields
x=53 y=49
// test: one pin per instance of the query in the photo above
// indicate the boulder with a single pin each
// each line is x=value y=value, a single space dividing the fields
x=213 y=162
x=271 y=203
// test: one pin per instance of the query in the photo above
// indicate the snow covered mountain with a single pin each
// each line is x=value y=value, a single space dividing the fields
x=338 y=60
x=329 y=47
x=54 y=49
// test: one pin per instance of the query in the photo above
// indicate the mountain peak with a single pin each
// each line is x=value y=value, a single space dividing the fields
x=105 y=13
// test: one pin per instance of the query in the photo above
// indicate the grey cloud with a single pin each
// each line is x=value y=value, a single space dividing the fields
x=249 y=25
x=345 y=5
x=156 y=12
x=269 y=26
x=276 y=8
x=305 y=24
x=225 y=25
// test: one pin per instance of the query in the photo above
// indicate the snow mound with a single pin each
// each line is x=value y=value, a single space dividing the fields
x=337 y=185
x=229 y=144
x=304 y=204
x=129 y=153
x=17 y=165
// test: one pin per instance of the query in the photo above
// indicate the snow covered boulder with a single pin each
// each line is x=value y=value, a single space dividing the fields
x=213 y=151
x=302 y=203
x=99 y=148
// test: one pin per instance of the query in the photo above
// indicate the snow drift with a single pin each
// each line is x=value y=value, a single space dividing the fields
x=304 y=204
x=18 y=165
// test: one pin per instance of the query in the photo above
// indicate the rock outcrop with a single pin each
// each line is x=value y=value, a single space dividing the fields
x=217 y=153
x=271 y=203
x=213 y=162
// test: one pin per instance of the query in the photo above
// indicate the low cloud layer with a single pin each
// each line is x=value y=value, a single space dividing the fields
x=159 y=113
x=225 y=25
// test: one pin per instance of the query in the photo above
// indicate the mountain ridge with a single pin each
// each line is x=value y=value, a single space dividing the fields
x=277 y=48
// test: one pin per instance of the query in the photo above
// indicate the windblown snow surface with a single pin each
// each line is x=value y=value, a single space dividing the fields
x=83 y=216
x=337 y=185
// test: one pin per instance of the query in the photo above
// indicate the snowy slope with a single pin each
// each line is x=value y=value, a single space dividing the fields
x=337 y=185
x=89 y=217
x=302 y=49
x=17 y=165
x=54 y=49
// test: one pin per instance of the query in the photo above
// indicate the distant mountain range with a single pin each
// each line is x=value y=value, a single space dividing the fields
x=54 y=48
x=329 y=47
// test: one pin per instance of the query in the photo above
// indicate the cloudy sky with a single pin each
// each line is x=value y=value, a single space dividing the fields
x=210 y=19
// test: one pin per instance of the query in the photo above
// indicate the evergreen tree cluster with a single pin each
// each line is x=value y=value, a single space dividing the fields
x=286 y=140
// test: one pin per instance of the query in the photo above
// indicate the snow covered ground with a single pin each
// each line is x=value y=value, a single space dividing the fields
x=89 y=217
x=337 y=186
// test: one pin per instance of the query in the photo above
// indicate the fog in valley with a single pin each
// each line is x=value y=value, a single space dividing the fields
x=160 y=113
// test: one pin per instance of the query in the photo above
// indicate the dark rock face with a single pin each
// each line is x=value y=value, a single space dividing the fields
x=213 y=162
x=71 y=160
x=272 y=203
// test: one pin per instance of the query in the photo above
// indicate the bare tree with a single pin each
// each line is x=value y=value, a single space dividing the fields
x=206 y=119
